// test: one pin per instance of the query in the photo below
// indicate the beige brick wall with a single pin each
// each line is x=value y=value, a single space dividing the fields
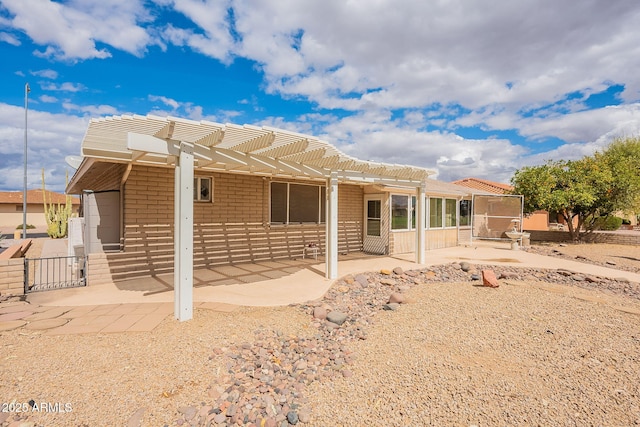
x=599 y=237
x=234 y=228
x=12 y=276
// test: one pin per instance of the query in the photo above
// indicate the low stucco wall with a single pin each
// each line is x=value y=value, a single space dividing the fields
x=620 y=238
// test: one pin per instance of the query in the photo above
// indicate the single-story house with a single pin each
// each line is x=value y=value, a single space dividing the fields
x=162 y=192
x=11 y=208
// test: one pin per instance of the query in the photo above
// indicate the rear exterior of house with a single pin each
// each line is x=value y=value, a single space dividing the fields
x=252 y=200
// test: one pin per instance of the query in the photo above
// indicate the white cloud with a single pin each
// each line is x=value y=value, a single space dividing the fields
x=51 y=137
x=9 y=38
x=212 y=36
x=47 y=74
x=48 y=99
x=71 y=31
x=92 y=110
x=64 y=87
x=167 y=101
x=449 y=52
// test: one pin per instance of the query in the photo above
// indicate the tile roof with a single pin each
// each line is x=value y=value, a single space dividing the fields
x=34 y=197
x=484 y=185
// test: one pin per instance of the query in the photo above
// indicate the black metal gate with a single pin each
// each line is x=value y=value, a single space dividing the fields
x=43 y=274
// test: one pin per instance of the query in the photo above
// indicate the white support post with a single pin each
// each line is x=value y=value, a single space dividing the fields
x=331 y=262
x=183 y=243
x=420 y=223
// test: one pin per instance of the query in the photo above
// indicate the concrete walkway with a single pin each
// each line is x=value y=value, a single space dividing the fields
x=108 y=308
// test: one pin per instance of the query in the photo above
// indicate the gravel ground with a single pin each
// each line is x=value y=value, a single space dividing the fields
x=545 y=348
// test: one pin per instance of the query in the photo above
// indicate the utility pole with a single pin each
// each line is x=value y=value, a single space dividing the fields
x=27 y=89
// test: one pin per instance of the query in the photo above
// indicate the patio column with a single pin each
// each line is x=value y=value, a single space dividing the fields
x=183 y=234
x=331 y=238
x=420 y=223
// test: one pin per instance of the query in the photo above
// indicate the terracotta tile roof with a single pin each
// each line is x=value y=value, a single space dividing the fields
x=34 y=197
x=485 y=185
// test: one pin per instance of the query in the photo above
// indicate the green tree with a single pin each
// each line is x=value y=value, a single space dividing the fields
x=622 y=157
x=586 y=189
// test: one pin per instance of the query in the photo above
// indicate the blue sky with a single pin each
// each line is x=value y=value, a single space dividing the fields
x=461 y=87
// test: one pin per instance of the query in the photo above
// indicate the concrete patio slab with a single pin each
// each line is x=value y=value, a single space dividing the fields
x=142 y=304
x=41 y=325
x=16 y=315
x=11 y=325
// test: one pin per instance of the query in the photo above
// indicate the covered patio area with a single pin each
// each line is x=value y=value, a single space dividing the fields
x=235 y=194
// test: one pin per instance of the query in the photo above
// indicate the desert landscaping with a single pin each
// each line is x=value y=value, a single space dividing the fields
x=547 y=347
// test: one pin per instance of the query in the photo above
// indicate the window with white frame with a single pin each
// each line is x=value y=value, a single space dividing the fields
x=435 y=212
x=465 y=212
x=450 y=207
x=297 y=203
x=403 y=212
x=203 y=189
x=399 y=212
x=442 y=212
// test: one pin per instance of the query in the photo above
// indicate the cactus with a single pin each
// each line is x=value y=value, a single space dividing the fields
x=57 y=216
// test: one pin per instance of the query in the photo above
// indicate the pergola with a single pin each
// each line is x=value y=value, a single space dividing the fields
x=188 y=145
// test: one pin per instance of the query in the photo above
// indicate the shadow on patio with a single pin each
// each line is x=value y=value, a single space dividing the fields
x=235 y=274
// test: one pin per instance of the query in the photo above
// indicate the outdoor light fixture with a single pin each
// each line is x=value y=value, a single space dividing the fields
x=27 y=89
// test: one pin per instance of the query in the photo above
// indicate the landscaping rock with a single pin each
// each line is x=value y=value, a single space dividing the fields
x=399 y=271
x=336 y=317
x=392 y=306
x=465 y=266
x=362 y=279
x=320 y=313
x=489 y=279
x=396 y=297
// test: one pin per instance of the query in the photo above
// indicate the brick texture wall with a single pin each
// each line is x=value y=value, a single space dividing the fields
x=234 y=228
x=12 y=276
x=599 y=237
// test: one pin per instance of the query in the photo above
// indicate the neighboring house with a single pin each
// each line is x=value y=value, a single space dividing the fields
x=245 y=193
x=11 y=208
x=538 y=220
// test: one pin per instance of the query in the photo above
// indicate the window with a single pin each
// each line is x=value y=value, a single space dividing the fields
x=202 y=189
x=465 y=212
x=374 y=218
x=399 y=212
x=450 y=212
x=297 y=203
x=435 y=213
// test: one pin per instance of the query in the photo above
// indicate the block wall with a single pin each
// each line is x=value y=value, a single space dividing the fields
x=12 y=276
x=233 y=228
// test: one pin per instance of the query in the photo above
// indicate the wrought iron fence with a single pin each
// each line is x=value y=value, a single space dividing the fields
x=42 y=274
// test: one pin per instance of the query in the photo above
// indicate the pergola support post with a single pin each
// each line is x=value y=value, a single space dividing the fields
x=331 y=263
x=183 y=234
x=420 y=223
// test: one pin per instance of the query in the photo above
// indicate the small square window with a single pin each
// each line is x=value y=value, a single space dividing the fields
x=203 y=189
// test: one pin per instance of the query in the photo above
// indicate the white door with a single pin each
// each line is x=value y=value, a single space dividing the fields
x=374 y=235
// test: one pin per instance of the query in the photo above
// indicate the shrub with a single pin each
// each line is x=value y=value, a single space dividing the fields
x=29 y=226
x=608 y=223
